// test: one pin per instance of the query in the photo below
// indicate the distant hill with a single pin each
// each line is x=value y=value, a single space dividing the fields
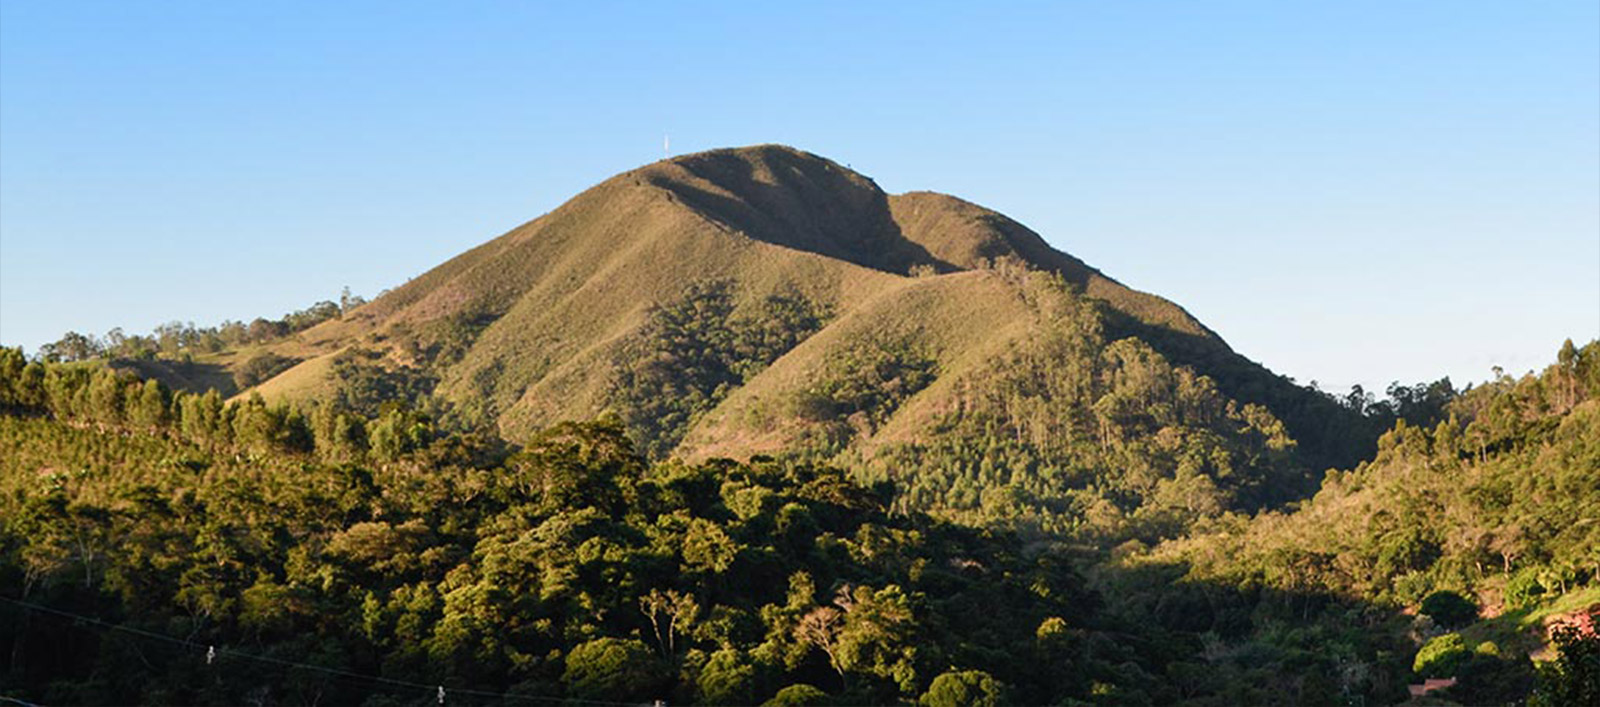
x=765 y=300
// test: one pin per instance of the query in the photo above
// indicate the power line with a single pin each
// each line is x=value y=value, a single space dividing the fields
x=212 y=652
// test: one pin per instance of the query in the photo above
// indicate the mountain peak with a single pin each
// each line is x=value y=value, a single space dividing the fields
x=767 y=151
x=792 y=198
x=544 y=322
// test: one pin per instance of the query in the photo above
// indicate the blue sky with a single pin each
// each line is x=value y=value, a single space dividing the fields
x=1346 y=191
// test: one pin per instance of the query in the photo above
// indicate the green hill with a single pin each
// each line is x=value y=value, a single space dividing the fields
x=765 y=300
x=410 y=468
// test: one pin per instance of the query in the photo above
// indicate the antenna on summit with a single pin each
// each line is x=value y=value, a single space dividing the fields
x=666 y=146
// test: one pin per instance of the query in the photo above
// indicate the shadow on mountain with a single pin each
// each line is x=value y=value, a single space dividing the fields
x=1211 y=643
x=188 y=376
x=800 y=201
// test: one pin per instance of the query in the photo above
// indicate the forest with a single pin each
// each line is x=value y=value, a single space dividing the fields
x=164 y=546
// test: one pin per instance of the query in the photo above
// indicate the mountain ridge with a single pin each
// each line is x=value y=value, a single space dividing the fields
x=762 y=300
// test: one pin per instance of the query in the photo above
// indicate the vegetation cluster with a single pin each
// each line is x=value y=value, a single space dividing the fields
x=390 y=547
x=568 y=568
x=177 y=340
x=977 y=471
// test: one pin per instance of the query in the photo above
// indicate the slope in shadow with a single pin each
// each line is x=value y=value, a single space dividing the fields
x=189 y=376
x=798 y=200
x=1190 y=640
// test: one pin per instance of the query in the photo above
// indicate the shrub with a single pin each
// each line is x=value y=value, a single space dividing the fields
x=1524 y=588
x=1449 y=609
x=260 y=368
x=1487 y=678
x=1440 y=657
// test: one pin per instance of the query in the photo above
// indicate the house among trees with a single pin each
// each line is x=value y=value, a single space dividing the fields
x=1583 y=622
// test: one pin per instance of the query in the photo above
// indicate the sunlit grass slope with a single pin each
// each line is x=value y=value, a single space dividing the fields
x=542 y=318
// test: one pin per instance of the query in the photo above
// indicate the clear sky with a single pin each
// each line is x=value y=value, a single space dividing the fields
x=1345 y=191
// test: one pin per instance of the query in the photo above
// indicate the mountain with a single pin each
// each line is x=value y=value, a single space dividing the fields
x=395 y=519
x=765 y=300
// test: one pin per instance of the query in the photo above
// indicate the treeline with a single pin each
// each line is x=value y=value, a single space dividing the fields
x=174 y=340
x=1420 y=405
x=109 y=399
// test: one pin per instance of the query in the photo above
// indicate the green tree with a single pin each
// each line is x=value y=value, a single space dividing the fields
x=728 y=678
x=614 y=669
x=204 y=419
x=967 y=688
x=707 y=548
x=106 y=396
x=399 y=431
x=149 y=409
x=801 y=695
x=879 y=635
x=71 y=347
x=260 y=368
x=1441 y=656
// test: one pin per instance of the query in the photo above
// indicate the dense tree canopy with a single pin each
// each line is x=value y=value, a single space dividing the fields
x=321 y=552
x=568 y=567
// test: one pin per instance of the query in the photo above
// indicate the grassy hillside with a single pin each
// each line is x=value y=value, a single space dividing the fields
x=1497 y=500
x=1037 y=420
x=971 y=237
x=765 y=300
x=923 y=319
x=554 y=301
x=559 y=294
x=543 y=323
x=393 y=464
